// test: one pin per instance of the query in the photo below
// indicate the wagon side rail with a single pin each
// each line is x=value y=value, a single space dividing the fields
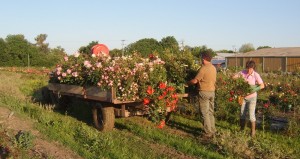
x=89 y=92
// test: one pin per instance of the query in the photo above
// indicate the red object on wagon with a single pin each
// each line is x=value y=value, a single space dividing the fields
x=100 y=48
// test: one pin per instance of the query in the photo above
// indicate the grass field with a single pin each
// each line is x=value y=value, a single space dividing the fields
x=136 y=137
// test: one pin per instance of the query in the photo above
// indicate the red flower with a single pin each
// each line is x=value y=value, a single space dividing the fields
x=146 y=101
x=266 y=105
x=151 y=56
x=161 y=97
x=150 y=90
x=231 y=93
x=230 y=99
x=162 y=85
x=174 y=96
x=161 y=124
x=170 y=88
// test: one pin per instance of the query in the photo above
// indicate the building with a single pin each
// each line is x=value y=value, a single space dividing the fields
x=220 y=59
x=270 y=59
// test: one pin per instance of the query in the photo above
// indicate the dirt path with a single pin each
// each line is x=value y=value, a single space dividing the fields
x=42 y=148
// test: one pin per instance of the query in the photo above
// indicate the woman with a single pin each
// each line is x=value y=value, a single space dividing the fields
x=249 y=102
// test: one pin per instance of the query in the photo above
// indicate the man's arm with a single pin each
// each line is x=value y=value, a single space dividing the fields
x=192 y=82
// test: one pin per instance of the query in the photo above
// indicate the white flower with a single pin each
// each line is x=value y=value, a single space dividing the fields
x=76 y=54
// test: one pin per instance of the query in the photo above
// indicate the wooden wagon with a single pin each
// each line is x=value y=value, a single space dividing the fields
x=104 y=103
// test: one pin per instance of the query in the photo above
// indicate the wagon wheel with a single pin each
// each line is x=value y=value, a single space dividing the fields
x=103 y=117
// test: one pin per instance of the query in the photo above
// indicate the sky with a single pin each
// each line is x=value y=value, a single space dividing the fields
x=218 y=24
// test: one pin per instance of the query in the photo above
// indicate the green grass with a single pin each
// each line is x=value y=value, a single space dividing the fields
x=136 y=137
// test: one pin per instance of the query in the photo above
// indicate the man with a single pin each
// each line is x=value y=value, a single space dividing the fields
x=206 y=80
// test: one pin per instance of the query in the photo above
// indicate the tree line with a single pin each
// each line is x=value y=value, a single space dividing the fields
x=16 y=50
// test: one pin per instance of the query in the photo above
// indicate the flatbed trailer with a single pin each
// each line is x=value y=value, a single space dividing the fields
x=104 y=103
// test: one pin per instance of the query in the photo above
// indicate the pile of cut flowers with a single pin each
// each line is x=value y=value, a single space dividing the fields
x=134 y=78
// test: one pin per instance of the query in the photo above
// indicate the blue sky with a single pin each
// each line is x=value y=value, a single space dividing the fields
x=218 y=24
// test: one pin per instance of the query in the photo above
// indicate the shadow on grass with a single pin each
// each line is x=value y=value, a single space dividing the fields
x=66 y=105
x=185 y=128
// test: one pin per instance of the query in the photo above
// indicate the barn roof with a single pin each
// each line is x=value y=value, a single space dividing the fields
x=272 y=52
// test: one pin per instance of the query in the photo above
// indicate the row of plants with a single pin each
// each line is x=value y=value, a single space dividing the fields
x=279 y=99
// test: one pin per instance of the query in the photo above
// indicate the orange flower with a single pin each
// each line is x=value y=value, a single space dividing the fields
x=171 y=88
x=174 y=96
x=146 y=101
x=162 y=85
x=161 y=97
x=161 y=125
x=150 y=90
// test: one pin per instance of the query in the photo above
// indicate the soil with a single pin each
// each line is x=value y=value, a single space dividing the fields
x=42 y=148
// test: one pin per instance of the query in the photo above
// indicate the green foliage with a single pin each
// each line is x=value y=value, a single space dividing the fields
x=197 y=51
x=24 y=139
x=170 y=43
x=135 y=135
x=180 y=68
x=227 y=92
x=115 y=52
x=145 y=47
x=87 y=49
x=225 y=51
x=15 y=50
x=246 y=48
x=263 y=47
x=40 y=39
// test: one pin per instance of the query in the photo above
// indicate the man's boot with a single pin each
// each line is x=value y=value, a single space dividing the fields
x=252 y=128
x=242 y=124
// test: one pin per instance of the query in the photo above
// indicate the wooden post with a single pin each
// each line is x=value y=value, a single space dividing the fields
x=123 y=110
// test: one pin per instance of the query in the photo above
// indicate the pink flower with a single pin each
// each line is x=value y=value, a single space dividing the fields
x=99 y=65
x=87 y=64
x=69 y=71
x=66 y=58
x=64 y=74
x=74 y=74
x=58 y=69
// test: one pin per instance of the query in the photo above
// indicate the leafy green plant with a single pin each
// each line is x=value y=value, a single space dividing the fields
x=24 y=139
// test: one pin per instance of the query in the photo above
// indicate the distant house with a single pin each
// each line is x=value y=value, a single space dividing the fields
x=220 y=59
x=270 y=59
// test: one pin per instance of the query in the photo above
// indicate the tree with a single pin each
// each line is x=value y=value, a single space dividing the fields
x=246 y=48
x=170 y=43
x=263 y=47
x=18 y=49
x=4 y=56
x=225 y=51
x=115 y=52
x=145 y=47
x=88 y=49
x=43 y=47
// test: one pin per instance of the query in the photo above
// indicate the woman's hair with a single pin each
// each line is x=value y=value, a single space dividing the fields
x=250 y=64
